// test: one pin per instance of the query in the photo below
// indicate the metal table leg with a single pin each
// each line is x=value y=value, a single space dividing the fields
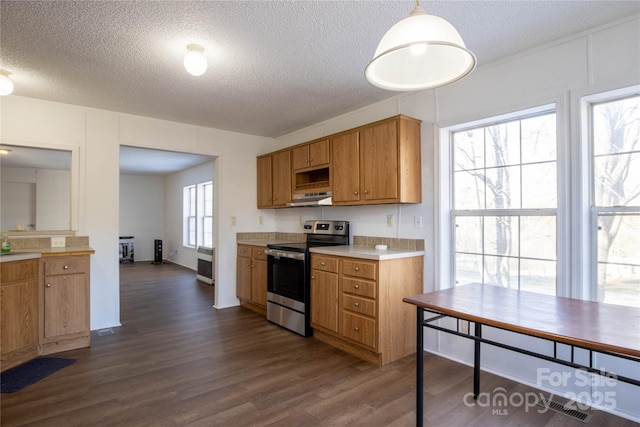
x=419 y=367
x=476 y=361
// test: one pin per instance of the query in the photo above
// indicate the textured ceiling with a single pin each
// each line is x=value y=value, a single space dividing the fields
x=274 y=66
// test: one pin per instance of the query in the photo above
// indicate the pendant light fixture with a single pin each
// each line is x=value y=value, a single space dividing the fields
x=6 y=85
x=420 y=52
x=194 y=61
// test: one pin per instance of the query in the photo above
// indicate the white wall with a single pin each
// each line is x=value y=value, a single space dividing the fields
x=602 y=59
x=142 y=200
x=96 y=136
x=174 y=184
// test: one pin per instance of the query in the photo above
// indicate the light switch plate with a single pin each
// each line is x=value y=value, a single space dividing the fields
x=58 y=241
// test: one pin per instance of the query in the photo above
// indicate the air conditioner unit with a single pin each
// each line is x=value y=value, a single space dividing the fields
x=205 y=264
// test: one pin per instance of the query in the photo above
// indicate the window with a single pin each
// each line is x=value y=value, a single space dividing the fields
x=504 y=181
x=615 y=206
x=198 y=215
x=529 y=212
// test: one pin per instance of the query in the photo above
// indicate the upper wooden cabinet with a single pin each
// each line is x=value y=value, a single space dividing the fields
x=378 y=163
x=373 y=164
x=311 y=155
x=274 y=179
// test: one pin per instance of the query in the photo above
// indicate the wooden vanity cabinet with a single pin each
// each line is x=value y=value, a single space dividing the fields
x=274 y=179
x=378 y=163
x=364 y=297
x=64 y=305
x=251 y=277
x=19 y=315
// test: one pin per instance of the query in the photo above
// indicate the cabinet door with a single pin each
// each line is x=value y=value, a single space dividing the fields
x=65 y=305
x=18 y=318
x=243 y=278
x=379 y=157
x=281 y=178
x=300 y=157
x=265 y=188
x=324 y=300
x=319 y=153
x=345 y=167
x=259 y=282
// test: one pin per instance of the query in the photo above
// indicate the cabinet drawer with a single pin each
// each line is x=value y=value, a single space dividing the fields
x=359 y=305
x=244 y=250
x=359 y=329
x=324 y=263
x=359 y=287
x=65 y=265
x=19 y=270
x=257 y=252
x=366 y=270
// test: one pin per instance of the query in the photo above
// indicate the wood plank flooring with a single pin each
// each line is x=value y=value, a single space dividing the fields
x=176 y=361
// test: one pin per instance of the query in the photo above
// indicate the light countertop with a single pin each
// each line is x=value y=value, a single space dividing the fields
x=18 y=256
x=366 y=252
x=48 y=251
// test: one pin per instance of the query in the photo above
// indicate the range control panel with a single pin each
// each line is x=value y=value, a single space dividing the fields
x=339 y=228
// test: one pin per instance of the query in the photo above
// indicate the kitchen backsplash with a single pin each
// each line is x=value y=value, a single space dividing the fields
x=392 y=243
x=45 y=242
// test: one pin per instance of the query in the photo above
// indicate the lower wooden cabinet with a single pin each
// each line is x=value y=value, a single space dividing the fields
x=356 y=305
x=19 y=312
x=251 y=277
x=65 y=303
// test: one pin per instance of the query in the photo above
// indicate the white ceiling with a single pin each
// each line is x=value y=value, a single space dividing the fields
x=274 y=66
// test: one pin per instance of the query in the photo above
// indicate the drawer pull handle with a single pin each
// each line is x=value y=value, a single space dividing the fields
x=48 y=285
x=357 y=304
x=66 y=267
x=356 y=286
x=356 y=329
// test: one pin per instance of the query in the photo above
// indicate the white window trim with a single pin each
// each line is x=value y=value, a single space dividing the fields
x=584 y=237
x=444 y=257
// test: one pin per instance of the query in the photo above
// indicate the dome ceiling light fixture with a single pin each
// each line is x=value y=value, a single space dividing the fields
x=6 y=85
x=194 y=61
x=420 y=52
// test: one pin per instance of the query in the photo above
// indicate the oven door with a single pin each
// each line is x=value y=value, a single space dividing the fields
x=287 y=278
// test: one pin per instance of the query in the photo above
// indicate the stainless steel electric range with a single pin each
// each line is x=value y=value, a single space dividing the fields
x=289 y=271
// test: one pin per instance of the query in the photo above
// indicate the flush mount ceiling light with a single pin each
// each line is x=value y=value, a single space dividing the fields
x=420 y=52
x=6 y=85
x=194 y=61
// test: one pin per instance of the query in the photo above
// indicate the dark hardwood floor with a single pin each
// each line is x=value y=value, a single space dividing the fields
x=176 y=361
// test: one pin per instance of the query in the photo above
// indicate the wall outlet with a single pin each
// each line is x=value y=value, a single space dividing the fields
x=389 y=220
x=233 y=220
x=417 y=221
x=58 y=241
x=260 y=220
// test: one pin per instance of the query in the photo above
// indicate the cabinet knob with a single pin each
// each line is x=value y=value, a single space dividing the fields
x=66 y=267
x=322 y=264
x=48 y=285
x=356 y=329
x=366 y=191
x=313 y=277
x=259 y=252
x=356 y=286
x=357 y=304
x=355 y=193
x=357 y=268
x=310 y=160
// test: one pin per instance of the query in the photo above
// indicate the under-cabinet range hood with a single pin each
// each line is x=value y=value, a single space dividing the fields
x=311 y=199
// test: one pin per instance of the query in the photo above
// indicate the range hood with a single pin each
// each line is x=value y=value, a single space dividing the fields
x=311 y=199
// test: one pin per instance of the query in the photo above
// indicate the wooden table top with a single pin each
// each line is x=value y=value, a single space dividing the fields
x=598 y=326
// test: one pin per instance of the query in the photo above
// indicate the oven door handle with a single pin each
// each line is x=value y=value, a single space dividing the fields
x=282 y=254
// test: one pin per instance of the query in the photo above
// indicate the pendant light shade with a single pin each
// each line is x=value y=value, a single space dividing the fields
x=194 y=61
x=420 y=52
x=6 y=85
